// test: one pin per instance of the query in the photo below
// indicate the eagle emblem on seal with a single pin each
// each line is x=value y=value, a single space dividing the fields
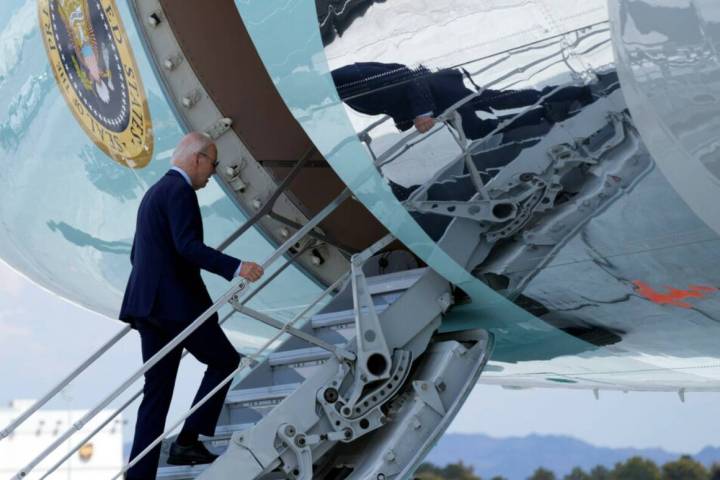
x=90 y=59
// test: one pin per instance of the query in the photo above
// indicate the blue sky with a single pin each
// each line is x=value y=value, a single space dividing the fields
x=43 y=337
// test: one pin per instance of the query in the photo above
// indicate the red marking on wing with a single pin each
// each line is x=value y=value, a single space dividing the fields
x=673 y=296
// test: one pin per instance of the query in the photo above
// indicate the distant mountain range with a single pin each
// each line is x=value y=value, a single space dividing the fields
x=518 y=458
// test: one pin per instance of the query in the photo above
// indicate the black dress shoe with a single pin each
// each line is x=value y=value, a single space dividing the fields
x=194 y=454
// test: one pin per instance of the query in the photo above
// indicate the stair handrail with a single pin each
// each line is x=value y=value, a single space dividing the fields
x=237 y=289
x=139 y=392
x=359 y=259
x=7 y=431
x=248 y=360
x=10 y=428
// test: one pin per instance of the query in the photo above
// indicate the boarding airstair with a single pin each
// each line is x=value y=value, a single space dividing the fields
x=361 y=386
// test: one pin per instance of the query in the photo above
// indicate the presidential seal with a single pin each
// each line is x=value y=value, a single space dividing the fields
x=96 y=71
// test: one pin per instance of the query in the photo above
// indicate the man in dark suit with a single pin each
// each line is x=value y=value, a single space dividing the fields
x=165 y=293
x=415 y=97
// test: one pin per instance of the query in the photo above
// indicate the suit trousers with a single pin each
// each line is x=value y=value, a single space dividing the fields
x=209 y=345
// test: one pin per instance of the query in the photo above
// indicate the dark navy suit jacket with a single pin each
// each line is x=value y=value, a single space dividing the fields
x=167 y=255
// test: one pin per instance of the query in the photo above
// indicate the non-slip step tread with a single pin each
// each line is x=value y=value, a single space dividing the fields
x=391 y=282
x=273 y=392
x=298 y=355
x=179 y=472
x=341 y=317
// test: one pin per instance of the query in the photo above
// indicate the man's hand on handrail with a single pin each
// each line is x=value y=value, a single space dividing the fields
x=424 y=123
x=251 y=271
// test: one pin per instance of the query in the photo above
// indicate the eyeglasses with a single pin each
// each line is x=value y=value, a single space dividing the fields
x=215 y=162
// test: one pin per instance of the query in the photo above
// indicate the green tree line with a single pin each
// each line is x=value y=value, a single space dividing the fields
x=635 y=468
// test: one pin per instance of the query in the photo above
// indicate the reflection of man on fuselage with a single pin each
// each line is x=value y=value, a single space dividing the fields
x=416 y=97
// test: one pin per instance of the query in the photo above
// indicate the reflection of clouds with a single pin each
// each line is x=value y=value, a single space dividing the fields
x=12 y=38
x=84 y=239
x=302 y=85
x=443 y=33
x=23 y=109
x=221 y=208
x=107 y=175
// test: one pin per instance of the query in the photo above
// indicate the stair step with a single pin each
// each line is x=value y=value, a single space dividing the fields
x=295 y=365
x=224 y=432
x=339 y=318
x=183 y=472
x=259 y=396
x=300 y=355
x=249 y=405
x=381 y=284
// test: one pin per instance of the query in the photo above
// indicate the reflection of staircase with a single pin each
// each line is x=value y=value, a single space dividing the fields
x=409 y=305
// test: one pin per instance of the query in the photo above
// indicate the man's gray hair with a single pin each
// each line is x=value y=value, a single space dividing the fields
x=191 y=144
